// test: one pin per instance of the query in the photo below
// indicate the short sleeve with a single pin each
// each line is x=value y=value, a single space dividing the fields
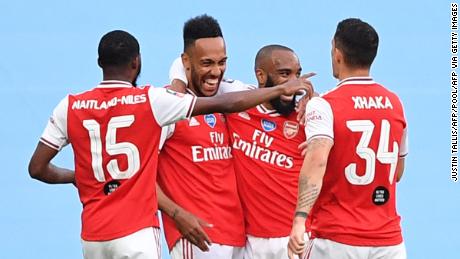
x=319 y=119
x=404 y=148
x=55 y=134
x=229 y=86
x=177 y=71
x=166 y=132
x=169 y=106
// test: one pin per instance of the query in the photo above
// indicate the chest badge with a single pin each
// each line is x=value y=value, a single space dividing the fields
x=290 y=129
x=268 y=125
x=210 y=119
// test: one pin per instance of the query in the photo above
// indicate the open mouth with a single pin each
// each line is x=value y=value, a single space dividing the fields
x=210 y=84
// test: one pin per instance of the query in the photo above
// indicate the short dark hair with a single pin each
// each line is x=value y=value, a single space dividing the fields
x=117 y=48
x=358 y=42
x=266 y=52
x=202 y=26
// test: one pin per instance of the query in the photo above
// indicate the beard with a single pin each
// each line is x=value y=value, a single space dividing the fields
x=195 y=81
x=283 y=108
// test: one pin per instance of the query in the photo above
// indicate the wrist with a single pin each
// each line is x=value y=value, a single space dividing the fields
x=300 y=217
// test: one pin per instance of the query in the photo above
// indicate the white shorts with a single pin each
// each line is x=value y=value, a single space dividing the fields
x=319 y=248
x=143 y=244
x=267 y=248
x=186 y=250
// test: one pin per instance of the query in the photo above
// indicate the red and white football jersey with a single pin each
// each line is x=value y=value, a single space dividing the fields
x=356 y=205
x=114 y=130
x=267 y=164
x=195 y=170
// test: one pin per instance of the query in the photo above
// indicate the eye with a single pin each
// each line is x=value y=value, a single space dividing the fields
x=285 y=73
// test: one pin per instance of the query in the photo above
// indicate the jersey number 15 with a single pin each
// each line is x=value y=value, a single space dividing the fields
x=112 y=148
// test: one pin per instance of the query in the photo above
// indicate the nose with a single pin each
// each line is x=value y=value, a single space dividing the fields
x=215 y=71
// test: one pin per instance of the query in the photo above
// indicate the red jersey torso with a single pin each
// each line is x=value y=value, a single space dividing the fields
x=267 y=164
x=356 y=205
x=115 y=141
x=196 y=171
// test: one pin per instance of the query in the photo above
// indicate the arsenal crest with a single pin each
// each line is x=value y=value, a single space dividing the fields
x=290 y=129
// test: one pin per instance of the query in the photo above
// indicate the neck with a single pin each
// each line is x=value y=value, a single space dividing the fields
x=353 y=72
x=120 y=75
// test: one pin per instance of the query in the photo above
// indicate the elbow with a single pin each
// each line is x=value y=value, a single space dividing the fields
x=35 y=171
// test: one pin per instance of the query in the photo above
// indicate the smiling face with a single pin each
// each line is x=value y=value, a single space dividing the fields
x=205 y=63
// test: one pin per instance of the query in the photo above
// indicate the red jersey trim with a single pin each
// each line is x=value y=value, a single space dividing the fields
x=262 y=109
x=192 y=106
x=320 y=136
x=356 y=80
x=114 y=84
x=49 y=144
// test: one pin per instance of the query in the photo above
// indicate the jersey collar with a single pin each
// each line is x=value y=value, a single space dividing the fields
x=357 y=80
x=114 y=84
x=262 y=109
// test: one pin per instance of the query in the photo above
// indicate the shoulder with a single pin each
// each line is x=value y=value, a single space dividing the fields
x=230 y=85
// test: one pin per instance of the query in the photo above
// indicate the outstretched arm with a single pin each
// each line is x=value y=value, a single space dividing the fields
x=310 y=183
x=190 y=226
x=240 y=101
x=41 y=168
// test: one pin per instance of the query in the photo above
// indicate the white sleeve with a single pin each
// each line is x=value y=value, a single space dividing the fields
x=166 y=132
x=177 y=71
x=229 y=85
x=169 y=106
x=319 y=119
x=55 y=134
x=404 y=148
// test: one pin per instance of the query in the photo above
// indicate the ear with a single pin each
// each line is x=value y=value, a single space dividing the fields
x=186 y=61
x=99 y=62
x=261 y=76
x=136 y=62
x=338 y=56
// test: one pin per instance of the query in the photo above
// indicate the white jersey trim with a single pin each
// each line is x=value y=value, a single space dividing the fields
x=114 y=84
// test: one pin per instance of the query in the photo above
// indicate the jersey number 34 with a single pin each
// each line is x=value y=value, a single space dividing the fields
x=365 y=152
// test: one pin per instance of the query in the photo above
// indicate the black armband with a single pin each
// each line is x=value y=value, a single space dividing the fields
x=301 y=214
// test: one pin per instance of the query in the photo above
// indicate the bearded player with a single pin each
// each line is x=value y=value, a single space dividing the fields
x=264 y=145
x=114 y=130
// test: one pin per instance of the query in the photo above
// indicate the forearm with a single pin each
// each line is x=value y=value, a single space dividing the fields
x=53 y=175
x=166 y=205
x=311 y=176
x=309 y=189
x=237 y=101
